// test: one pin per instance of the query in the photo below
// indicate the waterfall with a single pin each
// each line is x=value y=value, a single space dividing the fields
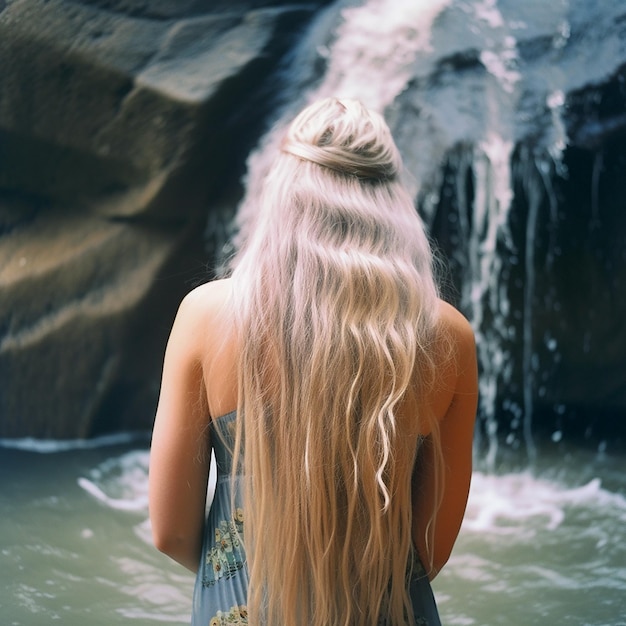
x=386 y=53
x=369 y=58
x=375 y=48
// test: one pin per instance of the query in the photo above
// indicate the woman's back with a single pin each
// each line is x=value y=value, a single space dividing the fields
x=351 y=381
x=221 y=348
x=220 y=593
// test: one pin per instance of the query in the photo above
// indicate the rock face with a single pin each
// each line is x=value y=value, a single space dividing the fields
x=515 y=126
x=124 y=128
x=122 y=124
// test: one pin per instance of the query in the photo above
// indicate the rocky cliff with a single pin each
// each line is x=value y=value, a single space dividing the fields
x=515 y=126
x=122 y=126
x=124 y=130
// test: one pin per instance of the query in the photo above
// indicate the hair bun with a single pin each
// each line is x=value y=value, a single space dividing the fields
x=344 y=136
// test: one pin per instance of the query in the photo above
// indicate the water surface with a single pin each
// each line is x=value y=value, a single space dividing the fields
x=538 y=546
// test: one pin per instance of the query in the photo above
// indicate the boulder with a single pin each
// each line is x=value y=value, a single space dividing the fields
x=122 y=126
x=120 y=111
x=83 y=310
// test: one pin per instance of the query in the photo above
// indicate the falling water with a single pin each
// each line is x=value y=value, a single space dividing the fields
x=378 y=49
x=377 y=73
x=356 y=68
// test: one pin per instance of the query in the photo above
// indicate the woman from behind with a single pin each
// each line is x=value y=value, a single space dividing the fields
x=353 y=383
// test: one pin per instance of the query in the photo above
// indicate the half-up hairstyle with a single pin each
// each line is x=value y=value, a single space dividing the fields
x=336 y=307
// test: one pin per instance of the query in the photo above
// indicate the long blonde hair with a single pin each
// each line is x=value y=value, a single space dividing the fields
x=335 y=308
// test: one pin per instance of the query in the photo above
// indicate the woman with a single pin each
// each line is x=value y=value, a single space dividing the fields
x=354 y=384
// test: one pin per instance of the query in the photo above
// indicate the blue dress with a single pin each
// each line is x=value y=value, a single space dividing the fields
x=221 y=588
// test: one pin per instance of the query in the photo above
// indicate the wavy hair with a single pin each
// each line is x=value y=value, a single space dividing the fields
x=336 y=309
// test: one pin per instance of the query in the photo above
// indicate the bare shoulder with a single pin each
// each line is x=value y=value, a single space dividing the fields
x=203 y=305
x=461 y=347
x=199 y=315
x=457 y=345
x=456 y=325
x=207 y=298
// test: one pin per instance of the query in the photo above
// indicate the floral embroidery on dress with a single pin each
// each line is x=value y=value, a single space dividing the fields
x=226 y=557
x=238 y=615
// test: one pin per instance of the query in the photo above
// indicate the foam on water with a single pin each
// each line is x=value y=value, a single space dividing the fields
x=518 y=504
x=534 y=550
x=522 y=505
x=120 y=482
x=52 y=446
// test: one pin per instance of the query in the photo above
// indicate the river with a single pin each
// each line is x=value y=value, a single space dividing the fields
x=539 y=545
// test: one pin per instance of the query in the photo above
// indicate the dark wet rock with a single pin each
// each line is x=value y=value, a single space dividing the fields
x=83 y=307
x=111 y=109
x=122 y=124
x=517 y=135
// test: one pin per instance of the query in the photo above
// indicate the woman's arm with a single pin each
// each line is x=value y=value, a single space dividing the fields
x=180 y=450
x=456 y=430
